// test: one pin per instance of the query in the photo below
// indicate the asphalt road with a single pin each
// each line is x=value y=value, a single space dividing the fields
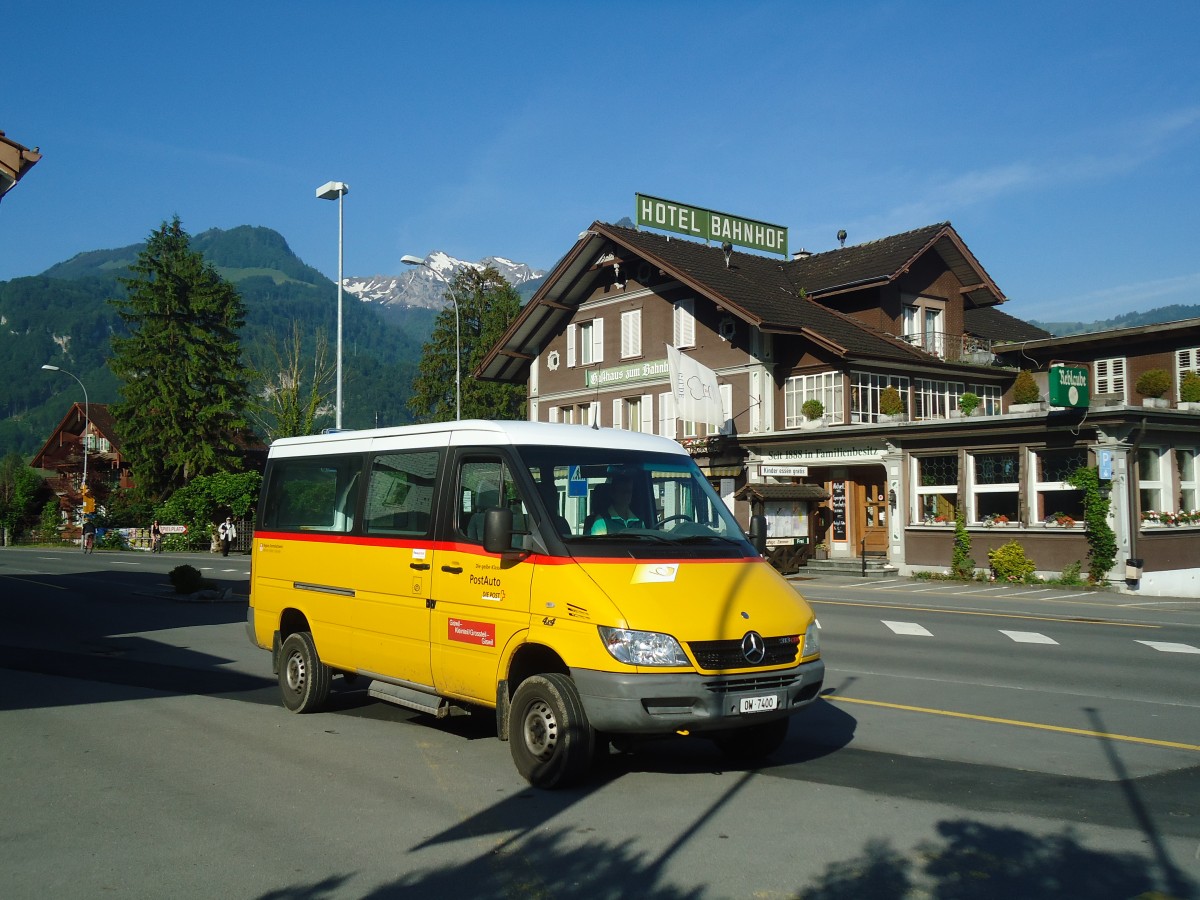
x=972 y=742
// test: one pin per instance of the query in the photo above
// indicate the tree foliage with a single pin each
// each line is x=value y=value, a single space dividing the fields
x=205 y=500
x=487 y=305
x=19 y=489
x=961 y=562
x=1102 y=540
x=293 y=391
x=184 y=391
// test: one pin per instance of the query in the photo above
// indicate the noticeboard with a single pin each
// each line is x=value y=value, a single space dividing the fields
x=838 y=502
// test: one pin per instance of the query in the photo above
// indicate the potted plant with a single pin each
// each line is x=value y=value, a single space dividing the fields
x=1189 y=391
x=1152 y=384
x=821 y=551
x=968 y=403
x=1025 y=396
x=814 y=413
x=891 y=406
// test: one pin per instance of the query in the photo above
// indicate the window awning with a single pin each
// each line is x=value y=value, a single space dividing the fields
x=761 y=492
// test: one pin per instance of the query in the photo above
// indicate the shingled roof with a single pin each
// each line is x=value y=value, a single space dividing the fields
x=775 y=295
x=996 y=325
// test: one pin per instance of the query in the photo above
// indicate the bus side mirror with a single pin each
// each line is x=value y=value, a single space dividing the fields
x=758 y=533
x=498 y=530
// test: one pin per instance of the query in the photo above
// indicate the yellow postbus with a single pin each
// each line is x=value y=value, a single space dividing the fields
x=589 y=585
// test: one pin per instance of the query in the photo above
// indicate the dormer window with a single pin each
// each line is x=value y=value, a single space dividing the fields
x=923 y=324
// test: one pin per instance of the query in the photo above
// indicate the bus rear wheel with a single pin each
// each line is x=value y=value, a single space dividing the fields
x=549 y=733
x=303 y=678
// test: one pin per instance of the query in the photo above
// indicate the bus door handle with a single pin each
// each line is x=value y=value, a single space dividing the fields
x=453 y=570
x=416 y=565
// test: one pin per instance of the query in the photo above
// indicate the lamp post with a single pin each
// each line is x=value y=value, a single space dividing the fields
x=86 y=420
x=336 y=190
x=417 y=261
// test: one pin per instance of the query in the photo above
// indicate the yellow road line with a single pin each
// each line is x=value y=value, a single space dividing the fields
x=1062 y=729
x=972 y=612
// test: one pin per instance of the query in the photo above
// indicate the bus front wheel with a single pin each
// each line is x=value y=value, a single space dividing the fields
x=549 y=733
x=303 y=678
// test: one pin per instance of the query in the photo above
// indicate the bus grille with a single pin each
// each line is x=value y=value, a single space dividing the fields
x=717 y=655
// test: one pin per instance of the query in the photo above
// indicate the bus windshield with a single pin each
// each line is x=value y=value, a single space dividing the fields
x=599 y=495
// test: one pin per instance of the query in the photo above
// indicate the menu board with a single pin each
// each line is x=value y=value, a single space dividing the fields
x=839 y=510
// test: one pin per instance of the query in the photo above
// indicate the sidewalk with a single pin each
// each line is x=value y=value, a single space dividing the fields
x=803 y=580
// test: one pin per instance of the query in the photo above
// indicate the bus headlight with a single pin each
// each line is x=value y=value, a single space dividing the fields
x=812 y=640
x=643 y=648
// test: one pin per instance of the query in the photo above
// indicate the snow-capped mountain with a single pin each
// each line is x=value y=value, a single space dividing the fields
x=420 y=287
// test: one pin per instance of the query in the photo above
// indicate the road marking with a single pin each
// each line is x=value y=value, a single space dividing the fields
x=1038 y=591
x=57 y=587
x=974 y=612
x=908 y=628
x=117 y=562
x=865 y=583
x=1167 y=647
x=1062 y=729
x=1029 y=637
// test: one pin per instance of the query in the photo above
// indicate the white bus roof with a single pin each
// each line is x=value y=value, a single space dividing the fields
x=472 y=432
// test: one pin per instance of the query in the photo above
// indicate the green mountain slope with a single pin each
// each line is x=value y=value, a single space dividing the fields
x=1156 y=316
x=63 y=317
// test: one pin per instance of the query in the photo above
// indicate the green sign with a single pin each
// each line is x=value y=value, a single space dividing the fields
x=1068 y=386
x=654 y=212
x=630 y=373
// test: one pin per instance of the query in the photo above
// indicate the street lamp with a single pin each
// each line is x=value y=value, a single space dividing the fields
x=417 y=261
x=86 y=418
x=336 y=190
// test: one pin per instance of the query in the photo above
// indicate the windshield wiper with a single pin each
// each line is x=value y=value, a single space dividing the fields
x=697 y=538
x=620 y=535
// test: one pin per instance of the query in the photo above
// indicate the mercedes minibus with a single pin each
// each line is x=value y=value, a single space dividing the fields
x=588 y=585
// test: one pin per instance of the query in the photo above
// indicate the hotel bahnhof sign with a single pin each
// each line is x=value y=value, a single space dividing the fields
x=668 y=215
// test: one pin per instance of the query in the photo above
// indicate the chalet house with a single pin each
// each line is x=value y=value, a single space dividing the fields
x=62 y=455
x=862 y=474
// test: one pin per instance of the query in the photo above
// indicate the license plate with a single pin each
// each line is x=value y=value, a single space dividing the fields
x=759 y=704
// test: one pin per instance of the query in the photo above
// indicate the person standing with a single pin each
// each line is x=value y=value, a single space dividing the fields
x=227 y=532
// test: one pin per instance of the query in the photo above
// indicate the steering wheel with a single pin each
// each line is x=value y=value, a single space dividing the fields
x=680 y=516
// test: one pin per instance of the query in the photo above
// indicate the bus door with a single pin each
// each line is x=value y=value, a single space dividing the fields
x=480 y=599
x=395 y=568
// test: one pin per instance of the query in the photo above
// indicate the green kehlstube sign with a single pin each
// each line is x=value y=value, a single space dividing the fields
x=1068 y=386
x=668 y=215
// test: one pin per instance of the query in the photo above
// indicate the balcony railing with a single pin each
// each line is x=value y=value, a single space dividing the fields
x=955 y=348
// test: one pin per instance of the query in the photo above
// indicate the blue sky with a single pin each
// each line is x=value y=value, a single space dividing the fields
x=1061 y=139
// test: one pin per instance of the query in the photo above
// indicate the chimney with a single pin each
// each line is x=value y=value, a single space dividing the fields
x=801 y=254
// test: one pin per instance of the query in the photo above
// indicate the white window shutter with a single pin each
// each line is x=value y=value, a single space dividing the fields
x=631 y=333
x=647 y=413
x=597 y=340
x=571 y=346
x=666 y=414
x=685 y=323
x=727 y=408
x=594 y=413
x=554 y=414
x=618 y=405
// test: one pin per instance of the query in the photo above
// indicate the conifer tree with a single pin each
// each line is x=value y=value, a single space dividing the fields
x=487 y=306
x=184 y=391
